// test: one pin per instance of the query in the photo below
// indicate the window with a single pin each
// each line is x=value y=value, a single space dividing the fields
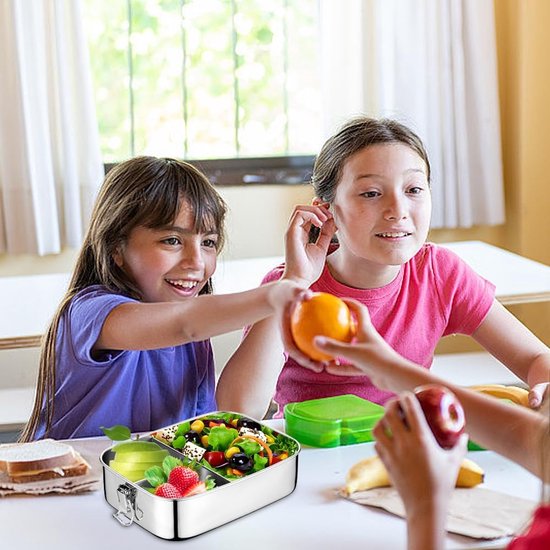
x=209 y=80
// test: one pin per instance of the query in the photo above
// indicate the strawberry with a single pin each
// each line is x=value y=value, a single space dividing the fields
x=183 y=477
x=196 y=489
x=167 y=490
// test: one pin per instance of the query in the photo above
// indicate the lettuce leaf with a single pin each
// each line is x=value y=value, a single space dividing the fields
x=220 y=438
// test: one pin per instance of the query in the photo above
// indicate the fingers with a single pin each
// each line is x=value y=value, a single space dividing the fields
x=344 y=369
x=360 y=313
x=395 y=418
x=413 y=414
x=461 y=446
x=325 y=236
x=351 y=352
x=537 y=394
x=403 y=417
x=306 y=215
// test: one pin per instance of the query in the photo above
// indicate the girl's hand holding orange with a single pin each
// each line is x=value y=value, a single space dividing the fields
x=316 y=314
x=368 y=354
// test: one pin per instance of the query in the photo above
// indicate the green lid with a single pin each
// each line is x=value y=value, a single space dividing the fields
x=332 y=421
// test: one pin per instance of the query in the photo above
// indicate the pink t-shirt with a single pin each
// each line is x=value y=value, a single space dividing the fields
x=434 y=294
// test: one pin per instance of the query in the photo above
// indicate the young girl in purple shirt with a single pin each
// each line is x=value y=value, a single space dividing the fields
x=129 y=343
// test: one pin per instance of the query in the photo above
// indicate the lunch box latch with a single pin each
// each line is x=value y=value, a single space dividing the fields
x=127 y=510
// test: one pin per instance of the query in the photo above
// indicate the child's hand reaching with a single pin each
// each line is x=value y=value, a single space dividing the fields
x=304 y=260
x=368 y=354
x=423 y=473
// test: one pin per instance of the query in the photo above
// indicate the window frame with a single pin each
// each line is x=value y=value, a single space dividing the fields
x=281 y=170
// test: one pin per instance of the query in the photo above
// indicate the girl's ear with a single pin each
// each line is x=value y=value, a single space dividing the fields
x=118 y=257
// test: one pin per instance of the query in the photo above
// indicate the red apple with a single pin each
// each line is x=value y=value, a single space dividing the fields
x=443 y=412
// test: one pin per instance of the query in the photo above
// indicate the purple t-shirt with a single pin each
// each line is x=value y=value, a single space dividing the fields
x=435 y=294
x=144 y=390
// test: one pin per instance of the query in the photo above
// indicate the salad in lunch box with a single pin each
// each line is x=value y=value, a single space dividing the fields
x=228 y=443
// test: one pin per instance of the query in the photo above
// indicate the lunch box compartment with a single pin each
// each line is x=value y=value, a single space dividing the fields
x=178 y=519
x=332 y=421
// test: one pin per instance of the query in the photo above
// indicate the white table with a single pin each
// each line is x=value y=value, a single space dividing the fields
x=518 y=280
x=312 y=516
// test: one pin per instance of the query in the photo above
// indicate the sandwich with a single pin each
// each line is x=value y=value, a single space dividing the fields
x=40 y=460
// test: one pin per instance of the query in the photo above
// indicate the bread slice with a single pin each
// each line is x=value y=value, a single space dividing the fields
x=78 y=469
x=42 y=459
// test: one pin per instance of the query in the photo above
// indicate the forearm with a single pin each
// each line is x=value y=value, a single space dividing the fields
x=426 y=527
x=523 y=426
x=248 y=380
x=158 y=325
x=494 y=424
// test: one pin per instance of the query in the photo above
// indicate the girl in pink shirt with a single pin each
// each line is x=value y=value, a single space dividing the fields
x=373 y=191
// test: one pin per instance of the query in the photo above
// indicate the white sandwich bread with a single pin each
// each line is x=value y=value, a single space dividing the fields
x=40 y=460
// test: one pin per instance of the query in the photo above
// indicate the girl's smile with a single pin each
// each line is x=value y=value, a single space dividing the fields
x=382 y=209
x=169 y=263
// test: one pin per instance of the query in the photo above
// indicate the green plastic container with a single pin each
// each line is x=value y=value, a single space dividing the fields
x=332 y=421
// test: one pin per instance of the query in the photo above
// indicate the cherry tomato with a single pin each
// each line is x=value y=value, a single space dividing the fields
x=215 y=458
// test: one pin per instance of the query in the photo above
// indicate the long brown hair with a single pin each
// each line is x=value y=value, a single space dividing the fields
x=143 y=191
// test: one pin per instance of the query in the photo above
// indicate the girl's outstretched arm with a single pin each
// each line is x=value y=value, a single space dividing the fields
x=247 y=382
x=485 y=416
x=138 y=325
x=514 y=345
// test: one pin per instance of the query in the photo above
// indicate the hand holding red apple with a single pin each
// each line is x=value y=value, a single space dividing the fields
x=424 y=473
x=443 y=412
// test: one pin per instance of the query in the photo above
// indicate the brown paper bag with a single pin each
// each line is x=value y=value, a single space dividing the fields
x=474 y=512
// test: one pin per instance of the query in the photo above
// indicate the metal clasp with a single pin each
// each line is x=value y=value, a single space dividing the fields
x=127 y=510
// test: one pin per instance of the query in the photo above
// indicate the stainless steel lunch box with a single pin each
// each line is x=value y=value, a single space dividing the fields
x=182 y=518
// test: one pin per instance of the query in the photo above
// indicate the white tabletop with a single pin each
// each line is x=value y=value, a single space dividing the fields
x=518 y=280
x=313 y=515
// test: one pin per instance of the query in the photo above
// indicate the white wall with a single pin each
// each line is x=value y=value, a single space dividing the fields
x=258 y=217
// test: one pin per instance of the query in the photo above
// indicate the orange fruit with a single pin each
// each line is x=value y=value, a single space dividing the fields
x=322 y=315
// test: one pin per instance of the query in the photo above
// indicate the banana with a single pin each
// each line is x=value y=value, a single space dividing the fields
x=470 y=474
x=371 y=473
x=513 y=393
x=367 y=474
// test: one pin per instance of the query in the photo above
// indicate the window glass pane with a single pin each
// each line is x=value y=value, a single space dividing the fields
x=205 y=79
x=209 y=74
x=304 y=84
x=106 y=25
x=157 y=61
x=261 y=79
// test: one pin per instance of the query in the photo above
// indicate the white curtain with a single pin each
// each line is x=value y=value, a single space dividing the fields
x=50 y=162
x=432 y=65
